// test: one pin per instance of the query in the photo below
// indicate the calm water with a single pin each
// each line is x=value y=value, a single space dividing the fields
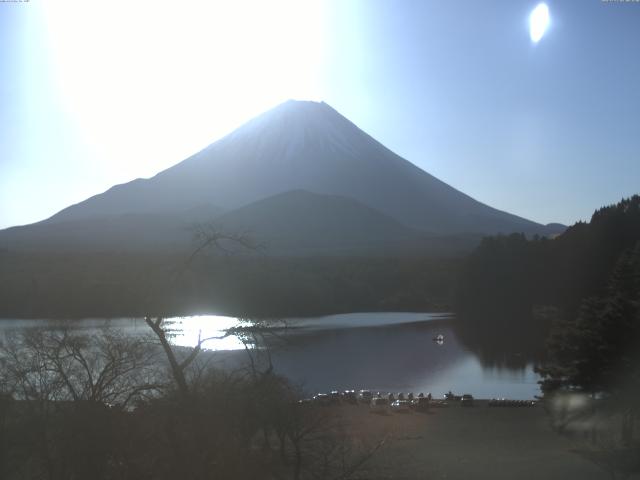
x=380 y=351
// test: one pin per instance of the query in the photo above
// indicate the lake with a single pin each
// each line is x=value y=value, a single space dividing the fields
x=390 y=352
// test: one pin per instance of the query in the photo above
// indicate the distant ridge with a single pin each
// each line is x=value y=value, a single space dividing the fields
x=301 y=222
x=295 y=147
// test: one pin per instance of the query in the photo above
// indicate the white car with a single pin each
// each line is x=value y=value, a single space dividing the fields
x=401 y=406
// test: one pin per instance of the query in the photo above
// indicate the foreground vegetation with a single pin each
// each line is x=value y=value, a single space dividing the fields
x=116 y=407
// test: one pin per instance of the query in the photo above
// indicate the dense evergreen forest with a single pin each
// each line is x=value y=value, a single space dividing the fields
x=118 y=284
x=514 y=291
x=597 y=349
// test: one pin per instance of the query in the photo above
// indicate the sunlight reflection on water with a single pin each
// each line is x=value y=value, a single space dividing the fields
x=185 y=331
x=381 y=351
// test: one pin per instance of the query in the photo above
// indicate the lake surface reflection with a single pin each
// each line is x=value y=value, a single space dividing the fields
x=379 y=351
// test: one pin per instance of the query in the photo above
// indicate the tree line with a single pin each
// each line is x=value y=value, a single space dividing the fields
x=511 y=288
x=111 y=284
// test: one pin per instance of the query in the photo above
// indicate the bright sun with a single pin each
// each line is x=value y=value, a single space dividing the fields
x=538 y=22
x=143 y=73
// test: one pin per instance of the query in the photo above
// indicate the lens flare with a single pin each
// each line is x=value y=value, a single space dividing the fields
x=539 y=22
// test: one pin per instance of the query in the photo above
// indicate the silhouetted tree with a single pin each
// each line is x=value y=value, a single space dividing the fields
x=597 y=350
x=68 y=394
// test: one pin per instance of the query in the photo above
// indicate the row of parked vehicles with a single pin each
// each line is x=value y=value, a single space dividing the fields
x=505 y=402
x=401 y=402
x=380 y=402
x=384 y=405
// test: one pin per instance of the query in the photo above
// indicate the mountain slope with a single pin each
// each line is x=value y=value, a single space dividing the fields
x=290 y=223
x=301 y=222
x=124 y=232
x=303 y=146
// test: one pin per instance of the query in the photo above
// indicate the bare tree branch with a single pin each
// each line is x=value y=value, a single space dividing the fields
x=208 y=235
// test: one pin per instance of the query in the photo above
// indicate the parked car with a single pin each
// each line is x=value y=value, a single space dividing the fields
x=322 y=399
x=365 y=396
x=401 y=406
x=452 y=397
x=466 y=400
x=350 y=396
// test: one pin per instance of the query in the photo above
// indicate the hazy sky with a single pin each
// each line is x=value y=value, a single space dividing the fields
x=98 y=93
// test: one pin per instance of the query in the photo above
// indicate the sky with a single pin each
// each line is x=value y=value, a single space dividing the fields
x=94 y=94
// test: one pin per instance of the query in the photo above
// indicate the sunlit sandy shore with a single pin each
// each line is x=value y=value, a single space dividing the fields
x=465 y=443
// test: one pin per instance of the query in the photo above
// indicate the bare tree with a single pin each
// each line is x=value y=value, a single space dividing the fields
x=64 y=386
x=58 y=365
x=209 y=236
x=177 y=366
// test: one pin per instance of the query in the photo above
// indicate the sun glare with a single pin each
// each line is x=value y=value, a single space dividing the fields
x=150 y=82
x=538 y=22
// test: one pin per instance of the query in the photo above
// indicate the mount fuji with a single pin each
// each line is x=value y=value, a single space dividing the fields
x=300 y=176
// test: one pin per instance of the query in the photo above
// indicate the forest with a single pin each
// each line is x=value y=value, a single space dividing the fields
x=512 y=289
x=107 y=285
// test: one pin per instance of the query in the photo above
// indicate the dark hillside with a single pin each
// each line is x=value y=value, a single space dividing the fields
x=511 y=288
